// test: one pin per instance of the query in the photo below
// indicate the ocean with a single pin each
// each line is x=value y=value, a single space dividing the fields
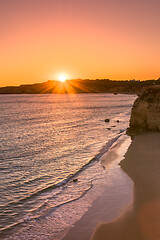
x=50 y=147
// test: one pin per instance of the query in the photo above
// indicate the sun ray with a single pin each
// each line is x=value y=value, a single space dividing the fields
x=68 y=86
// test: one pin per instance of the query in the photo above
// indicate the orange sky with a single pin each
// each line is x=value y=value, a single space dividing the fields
x=116 y=39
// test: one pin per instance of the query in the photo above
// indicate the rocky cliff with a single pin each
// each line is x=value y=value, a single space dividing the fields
x=145 y=114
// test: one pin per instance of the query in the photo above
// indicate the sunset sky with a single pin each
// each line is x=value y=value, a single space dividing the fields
x=115 y=39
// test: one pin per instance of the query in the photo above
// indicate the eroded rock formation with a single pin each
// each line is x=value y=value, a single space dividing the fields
x=145 y=114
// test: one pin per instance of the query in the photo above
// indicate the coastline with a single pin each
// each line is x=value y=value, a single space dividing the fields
x=142 y=221
x=129 y=213
x=116 y=198
x=54 y=211
x=105 y=188
x=112 y=208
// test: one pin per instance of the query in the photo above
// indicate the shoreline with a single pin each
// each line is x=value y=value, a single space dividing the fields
x=114 y=216
x=74 y=151
x=116 y=197
x=142 y=221
x=99 y=184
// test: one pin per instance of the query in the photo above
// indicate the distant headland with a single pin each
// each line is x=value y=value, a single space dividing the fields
x=81 y=86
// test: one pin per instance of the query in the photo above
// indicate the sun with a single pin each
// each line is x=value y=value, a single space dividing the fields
x=62 y=78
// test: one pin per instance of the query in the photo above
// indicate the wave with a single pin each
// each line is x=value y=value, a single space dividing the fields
x=73 y=175
x=27 y=218
x=62 y=183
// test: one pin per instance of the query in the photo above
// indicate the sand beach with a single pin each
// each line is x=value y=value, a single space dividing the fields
x=130 y=206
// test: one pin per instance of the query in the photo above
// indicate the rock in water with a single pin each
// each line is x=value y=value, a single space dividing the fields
x=145 y=114
x=107 y=120
x=75 y=180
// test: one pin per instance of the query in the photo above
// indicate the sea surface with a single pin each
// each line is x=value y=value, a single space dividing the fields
x=50 y=146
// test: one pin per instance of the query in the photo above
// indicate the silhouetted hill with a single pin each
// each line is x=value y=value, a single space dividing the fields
x=81 y=86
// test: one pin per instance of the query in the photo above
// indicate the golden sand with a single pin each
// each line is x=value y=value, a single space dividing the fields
x=142 y=222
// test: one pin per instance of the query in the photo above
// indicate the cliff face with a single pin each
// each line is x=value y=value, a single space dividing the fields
x=145 y=113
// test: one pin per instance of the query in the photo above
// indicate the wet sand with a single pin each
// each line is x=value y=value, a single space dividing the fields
x=116 y=198
x=142 y=222
x=129 y=209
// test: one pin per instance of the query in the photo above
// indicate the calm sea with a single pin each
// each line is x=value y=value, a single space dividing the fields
x=46 y=142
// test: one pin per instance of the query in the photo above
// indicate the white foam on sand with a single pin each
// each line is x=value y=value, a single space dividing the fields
x=109 y=191
x=116 y=198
